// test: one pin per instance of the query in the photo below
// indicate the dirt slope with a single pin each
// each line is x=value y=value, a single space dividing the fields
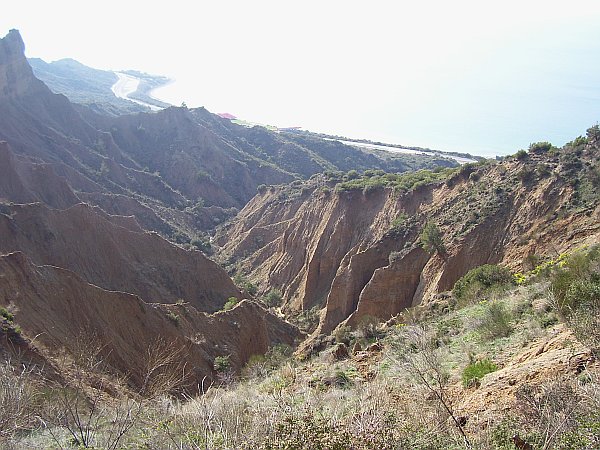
x=115 y=253
x=57 y=309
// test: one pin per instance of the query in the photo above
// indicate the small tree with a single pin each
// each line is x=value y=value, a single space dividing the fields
x=431 y=239
x=421 y=359
x=222 y=364
x=273 y=298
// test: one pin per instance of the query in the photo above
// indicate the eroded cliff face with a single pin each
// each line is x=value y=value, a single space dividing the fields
x=16 y=76
x=345 y=253
x=26 y=182
x=113 y=252
x=64 y=312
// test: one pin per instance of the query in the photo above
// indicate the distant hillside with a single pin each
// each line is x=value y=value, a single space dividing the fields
x=84 y=85
x=179 y=171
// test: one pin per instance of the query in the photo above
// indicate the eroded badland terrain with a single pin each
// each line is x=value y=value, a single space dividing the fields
x=175 y=280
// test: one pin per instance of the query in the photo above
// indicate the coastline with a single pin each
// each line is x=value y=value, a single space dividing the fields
x=136 y=89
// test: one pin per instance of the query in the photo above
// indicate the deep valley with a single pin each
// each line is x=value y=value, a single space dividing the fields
x=171 y=279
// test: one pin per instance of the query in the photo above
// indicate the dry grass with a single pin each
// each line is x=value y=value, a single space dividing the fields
x=403 y=397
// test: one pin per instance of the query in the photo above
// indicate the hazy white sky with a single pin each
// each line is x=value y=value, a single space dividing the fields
x=418 y=73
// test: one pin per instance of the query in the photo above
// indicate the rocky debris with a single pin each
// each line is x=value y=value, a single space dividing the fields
x=366 y=363
x=340 y=351
x=545 y=359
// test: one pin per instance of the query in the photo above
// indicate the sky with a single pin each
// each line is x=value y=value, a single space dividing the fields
x=482 y=77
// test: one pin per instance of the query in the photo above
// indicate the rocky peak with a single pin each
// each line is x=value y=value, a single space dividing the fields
x=16 y=76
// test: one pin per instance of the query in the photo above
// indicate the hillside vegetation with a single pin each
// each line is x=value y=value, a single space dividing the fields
x=342 y=246
x=498 y=369
x=83 y=85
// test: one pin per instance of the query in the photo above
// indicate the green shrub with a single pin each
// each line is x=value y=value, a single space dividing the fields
x=6 y=314
x=549 y=319
x=230 y=303
x=244 y=284
x=372 y=187
x=367 y=327
x=481 y=280
x=474 y=372
x=540 y=147
x=521 y=155
x=542 y=170
x=352 y=175
x=307 y=320
x=496 y=321
x=181 y=237
x=308 y=431
x=578 y=141
x=273 y=298
x=445 y=329
x=525 y=175
x=431 y=239
x=222 y=364
x=577 y=275
x=202 y=244
x=250 y=288
x=399 y=222
x=398 y=182
x=583 y=317
x=474 y=177
x=593 y=133
x=173 y=317
x=503 y=433
x=343 y=334
x=342 y=379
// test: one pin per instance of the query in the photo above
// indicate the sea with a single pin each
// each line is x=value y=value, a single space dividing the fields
x=531 y=89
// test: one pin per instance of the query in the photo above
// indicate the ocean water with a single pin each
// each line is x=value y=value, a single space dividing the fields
x=538 y=86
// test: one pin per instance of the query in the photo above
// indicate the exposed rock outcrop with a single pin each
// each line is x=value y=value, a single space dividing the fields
x=16 y=75
x=545 y=360
x=343 y=251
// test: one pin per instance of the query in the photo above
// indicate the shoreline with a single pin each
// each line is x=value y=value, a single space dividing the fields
x=128 y=85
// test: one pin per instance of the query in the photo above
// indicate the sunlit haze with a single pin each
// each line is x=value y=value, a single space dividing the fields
x=487 y=78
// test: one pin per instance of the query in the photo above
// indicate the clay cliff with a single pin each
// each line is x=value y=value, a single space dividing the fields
x=64 y=312
x=71 y=268
x=113 y=252
x=26 y=182
x=352 y=247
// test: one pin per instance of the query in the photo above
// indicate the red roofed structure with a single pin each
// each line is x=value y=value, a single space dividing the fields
x=226 y=116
